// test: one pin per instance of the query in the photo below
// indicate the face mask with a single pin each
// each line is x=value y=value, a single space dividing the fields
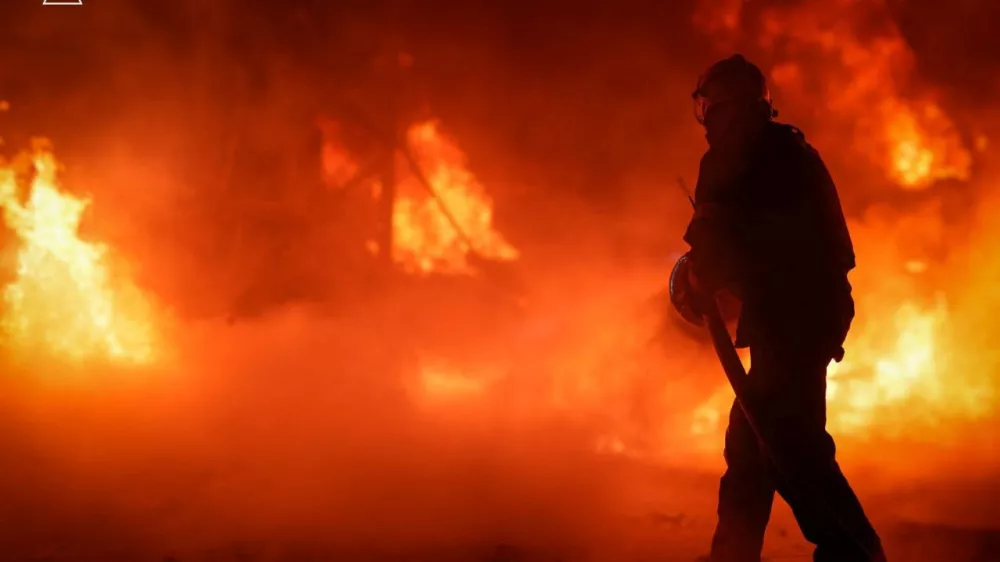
x=729 y=124
x=719 y=122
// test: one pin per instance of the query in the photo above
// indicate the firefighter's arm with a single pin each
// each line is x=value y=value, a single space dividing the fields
x=711 y=233
x=714 y=253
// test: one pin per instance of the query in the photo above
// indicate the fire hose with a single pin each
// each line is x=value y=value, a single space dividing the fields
x=708 y=314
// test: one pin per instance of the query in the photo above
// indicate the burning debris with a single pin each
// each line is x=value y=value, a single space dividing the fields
x=437 y=225
x=426 y=239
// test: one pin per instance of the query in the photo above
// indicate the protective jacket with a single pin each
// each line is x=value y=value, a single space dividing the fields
x=768 y=226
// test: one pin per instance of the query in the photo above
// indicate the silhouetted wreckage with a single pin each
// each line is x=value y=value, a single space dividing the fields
x=330 y=247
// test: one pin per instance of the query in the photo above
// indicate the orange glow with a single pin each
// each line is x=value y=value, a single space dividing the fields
x=895 y=381
x=425 y=238
x=821 y=64
x=233 y=329
x=442 y=383
x=829 y=62
x=904 y=374
x=924 y=146
x=899 y=377
x=64 y=300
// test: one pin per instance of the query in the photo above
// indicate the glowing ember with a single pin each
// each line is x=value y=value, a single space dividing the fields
x=63 y=299
x=440 y=383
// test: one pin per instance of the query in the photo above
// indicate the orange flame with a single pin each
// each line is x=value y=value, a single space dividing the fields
x=899 y=376
x=64 y=301
x=425 y=237
x=822 y=64
x=847 y=65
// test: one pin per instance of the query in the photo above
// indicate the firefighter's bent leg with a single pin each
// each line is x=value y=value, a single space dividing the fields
x=809 y=479
x=746 y=494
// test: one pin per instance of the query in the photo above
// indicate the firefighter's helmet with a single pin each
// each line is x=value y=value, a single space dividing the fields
x=734 y=80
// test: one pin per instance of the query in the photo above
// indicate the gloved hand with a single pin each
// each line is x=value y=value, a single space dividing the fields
x=689 y=297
